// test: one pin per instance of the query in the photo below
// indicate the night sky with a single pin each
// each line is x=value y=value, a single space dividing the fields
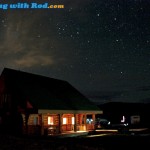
x=101 y=47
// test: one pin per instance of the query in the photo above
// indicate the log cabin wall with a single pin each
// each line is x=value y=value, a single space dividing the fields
x=91 y=124
x=50 y=126
x=23 y=128
x=81 y=122
x=39 y=124
x=34 y=126
x=67 y=122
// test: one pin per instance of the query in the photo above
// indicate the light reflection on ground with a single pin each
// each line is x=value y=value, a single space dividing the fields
x=97 y=135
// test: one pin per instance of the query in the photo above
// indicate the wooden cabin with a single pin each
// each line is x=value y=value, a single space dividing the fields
x=39 y=105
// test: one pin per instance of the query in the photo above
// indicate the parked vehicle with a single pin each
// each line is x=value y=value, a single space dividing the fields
x=119 y=125
x=102 y=123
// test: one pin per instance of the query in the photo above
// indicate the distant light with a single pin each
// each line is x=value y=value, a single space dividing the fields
x=123 y=119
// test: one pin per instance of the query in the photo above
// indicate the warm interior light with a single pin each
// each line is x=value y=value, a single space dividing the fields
x=50 y=120
x=72 y=120
x=64 y=120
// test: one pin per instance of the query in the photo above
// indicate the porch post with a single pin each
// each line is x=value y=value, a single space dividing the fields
x=41 y=124
x=75 y=122
x=60 y=123
x=85 y=122
x=93 y=117
x=26 y=122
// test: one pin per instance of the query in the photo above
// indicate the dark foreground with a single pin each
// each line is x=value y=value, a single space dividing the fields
x=110 y=142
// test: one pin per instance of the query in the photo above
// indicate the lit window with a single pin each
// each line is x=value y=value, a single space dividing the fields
x=64 y=120
x=35 y=120
x=50 y=120
x=72 y=120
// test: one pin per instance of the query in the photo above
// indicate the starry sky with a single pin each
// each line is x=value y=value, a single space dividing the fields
x=101 y=47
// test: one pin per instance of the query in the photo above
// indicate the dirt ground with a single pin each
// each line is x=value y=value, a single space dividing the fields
x=113 y=142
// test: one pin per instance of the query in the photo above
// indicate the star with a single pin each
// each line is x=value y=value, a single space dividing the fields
x=97 y=42
x=38 y=36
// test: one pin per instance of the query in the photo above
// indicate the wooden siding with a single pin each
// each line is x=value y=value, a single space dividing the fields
x=50 y=129
x=38 y=124
x=45 y=119
x=68 y=126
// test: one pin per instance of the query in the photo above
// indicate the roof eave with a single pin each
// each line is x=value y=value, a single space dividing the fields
x=43 y=111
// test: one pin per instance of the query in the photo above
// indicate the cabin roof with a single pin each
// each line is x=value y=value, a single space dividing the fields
x=46 y=93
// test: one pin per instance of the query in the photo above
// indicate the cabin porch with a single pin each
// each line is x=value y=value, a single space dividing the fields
x=52 y=124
